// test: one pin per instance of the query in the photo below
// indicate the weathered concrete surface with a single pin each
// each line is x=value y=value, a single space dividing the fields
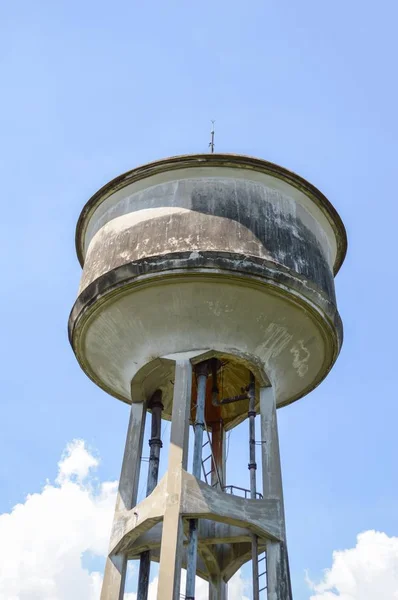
x=260 y=516
x=202 y=371
x=278 y=576
x=224 y=521
x=116 y=564
x=114 y=577
x=220 y=215
x=241 y=307
x=271 y=464
x=215 y=185
x=210 y=533
x=159 y=374
x=172 y=538
x=218 y=589
x=207 y=255
x=142 y=517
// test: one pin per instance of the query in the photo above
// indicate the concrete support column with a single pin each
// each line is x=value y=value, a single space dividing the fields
x=172 y=536
x=278 y=576
x=116 y=565
x=202 y=371
x=218 y=589
x=271 y=464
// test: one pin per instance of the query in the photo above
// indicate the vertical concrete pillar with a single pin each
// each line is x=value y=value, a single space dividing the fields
x=278 y=577
x=202 y=371
x=172 y=536
x=271 y=464
x=116 y=565
x=218 y=589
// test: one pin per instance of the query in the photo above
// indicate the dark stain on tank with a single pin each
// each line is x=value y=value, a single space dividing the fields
x=285 y=237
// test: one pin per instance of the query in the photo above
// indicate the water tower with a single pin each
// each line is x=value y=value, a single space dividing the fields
x=207 y=298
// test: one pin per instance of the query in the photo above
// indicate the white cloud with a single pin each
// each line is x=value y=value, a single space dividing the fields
x=43 y=539
x=75 y=463
x=367 y=572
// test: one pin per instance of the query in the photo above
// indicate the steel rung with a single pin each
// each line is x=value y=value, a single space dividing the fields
x=214 y=468
x=261 y=574
x=261 y=559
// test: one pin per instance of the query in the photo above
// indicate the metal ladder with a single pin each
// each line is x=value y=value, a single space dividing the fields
x=213 y=465
x=262 y=574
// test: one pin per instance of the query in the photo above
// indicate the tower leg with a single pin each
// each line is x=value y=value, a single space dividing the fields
x=202 y=371
x=114 y=577
x=278 y=576
x=172 y=536
x=218 y=589
x=116 y=565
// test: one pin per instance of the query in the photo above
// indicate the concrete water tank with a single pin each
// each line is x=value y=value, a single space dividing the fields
x=207 y=296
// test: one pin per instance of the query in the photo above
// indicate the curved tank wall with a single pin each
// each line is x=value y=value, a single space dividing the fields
x=212 y=252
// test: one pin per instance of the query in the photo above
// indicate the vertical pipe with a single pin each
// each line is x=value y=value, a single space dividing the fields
x=155 y=444
x=192 y=556
x=252 y=437
x=217 y=586
x=217 y=447
x=199 y=426
x=252 y=469
x=202 y=371
x=143 y=575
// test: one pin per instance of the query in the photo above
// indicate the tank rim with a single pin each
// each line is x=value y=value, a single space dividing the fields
x=225 y=160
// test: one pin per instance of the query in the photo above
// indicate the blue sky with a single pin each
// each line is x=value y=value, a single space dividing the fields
x=90 y=90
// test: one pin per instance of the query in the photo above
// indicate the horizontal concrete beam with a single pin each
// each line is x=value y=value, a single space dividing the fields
x=236 y=517
x=262 y=517
x=131 y=524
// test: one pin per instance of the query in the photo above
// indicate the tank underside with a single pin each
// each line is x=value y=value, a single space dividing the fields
x=233 y=305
